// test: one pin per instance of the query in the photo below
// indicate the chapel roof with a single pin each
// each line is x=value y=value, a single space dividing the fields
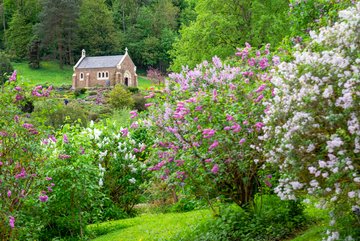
x=100 y=62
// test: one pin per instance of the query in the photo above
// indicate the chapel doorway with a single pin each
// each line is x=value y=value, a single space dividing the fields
x=126 y=81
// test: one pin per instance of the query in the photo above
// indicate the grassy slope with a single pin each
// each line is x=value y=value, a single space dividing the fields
x=151 y=226
x=174 y=226
x=51 y=74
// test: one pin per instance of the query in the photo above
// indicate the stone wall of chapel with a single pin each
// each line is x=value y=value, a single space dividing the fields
x=92 y=74
x=129 y=65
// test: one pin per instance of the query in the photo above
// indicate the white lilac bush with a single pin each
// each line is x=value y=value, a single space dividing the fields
x=312 y=126
x=121 y=155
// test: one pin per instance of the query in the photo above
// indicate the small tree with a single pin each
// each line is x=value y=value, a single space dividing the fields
x=155 y=76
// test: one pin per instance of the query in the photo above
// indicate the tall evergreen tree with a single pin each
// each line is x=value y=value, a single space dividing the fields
x=58 y=28
x=18 y=35
x=97 y=31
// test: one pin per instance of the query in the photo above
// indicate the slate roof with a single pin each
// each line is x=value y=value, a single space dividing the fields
x=100 y=62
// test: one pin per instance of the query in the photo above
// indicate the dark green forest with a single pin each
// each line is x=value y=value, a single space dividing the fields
x=162 y=34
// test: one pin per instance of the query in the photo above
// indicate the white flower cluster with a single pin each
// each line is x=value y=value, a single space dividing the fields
x=313 y=119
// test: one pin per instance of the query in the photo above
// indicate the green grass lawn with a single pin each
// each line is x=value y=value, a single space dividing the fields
x=175 y=226
x=316 y=230
x=151 y=226
x=51 y=74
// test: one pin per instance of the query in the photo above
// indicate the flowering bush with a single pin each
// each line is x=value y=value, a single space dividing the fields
x=121 y=155
x=74 y=168
x=21 y=161
x=206 y=126
x=312 y=126
x=155 y=76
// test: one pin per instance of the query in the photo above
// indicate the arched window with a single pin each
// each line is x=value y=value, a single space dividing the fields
x=81 y=76
x=99 y=75
x=107 y=74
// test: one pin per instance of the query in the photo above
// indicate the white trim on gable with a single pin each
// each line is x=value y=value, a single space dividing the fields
x=79 y=62
x=118 y=66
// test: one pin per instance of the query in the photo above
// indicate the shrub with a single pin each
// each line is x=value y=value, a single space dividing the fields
x=78 y=198
x=79 y=92
x=119 y=98
x=312 y=126
x=206 y=125
x=54 y=113
x=139 y=102
x=155 y=76
x=273 y=219
x=23 y=184
x=133 y=90
x=5 y=68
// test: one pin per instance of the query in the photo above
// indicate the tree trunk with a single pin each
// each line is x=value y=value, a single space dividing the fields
x=60 y=52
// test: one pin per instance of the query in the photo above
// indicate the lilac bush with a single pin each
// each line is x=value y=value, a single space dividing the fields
x=206 y=125
x=312 y=127
x=121 y=154
x=22 y=180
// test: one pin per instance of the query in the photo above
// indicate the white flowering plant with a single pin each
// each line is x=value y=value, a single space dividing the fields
x=121 y=156
x=312 y=126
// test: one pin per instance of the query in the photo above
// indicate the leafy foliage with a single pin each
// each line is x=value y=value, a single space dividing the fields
x=5 y=68
x=120 y=98
x=221 y=26
x=272 y=220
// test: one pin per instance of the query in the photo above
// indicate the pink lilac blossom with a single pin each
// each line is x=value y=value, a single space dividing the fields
x=43 y=198
x=124 y=132
x=213 y=145
x=264 y=63
x=229 y=118
x=12 y=222
x=261 y=88
x=13 y=76
x=65 y=138
x=215 y=169
x=208 y=133
x=236 y=128
x=64 y=156
x=217 y=62
x=22 y=174
x=133 y=114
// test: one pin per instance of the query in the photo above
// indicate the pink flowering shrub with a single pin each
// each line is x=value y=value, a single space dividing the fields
x=206 y=125
x=155 y=76
x=312 y=126
x=23 y=185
